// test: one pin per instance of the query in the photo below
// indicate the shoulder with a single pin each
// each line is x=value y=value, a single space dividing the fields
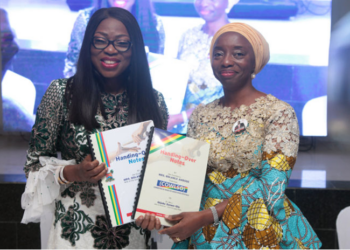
x=281 y=127
x=55 y=92
x=86 y=13
x=196 y=30
x=159 y=97
x=84 y=17
x=204 y=110
x=280 y=116
x=276 y=107
x=158 y=19
x=157 y=93
x=58 y=85
x=53 y=99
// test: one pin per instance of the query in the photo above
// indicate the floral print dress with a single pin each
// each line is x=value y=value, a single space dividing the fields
x=250 y=165
x=79 y=217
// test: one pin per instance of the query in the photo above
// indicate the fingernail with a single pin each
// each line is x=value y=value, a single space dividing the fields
x=141 y=217
x=166 y=216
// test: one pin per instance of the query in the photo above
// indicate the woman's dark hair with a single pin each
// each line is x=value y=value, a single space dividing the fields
x=83 y=91
x=144 y=13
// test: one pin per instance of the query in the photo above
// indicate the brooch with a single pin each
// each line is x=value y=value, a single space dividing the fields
x=239 y=126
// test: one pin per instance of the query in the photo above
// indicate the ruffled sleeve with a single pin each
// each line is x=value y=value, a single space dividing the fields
x=42 y=188
x=45 y=132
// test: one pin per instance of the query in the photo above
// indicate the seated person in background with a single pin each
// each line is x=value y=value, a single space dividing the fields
x=244 y=205
x=18 y=92
x=151 y=27
x=194 y=46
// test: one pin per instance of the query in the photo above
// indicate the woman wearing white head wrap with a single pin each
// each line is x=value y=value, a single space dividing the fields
x=254 y=143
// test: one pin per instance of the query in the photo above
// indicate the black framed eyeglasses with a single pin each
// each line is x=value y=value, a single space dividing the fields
x=120 y=45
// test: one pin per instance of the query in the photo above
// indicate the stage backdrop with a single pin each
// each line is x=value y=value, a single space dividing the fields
x=48 y=32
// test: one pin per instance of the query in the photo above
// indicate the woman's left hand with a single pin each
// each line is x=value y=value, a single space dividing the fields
x=187 y=224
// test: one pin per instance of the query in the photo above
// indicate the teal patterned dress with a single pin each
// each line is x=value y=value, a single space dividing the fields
x=253 y=151
x=79 y=220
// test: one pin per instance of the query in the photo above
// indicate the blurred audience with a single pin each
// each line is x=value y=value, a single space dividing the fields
x=194 y=47
x=18 y=92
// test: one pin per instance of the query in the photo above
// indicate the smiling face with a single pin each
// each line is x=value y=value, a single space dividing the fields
x=211 y=10
x=233 y=60
x=125 y=4
x=110 y=62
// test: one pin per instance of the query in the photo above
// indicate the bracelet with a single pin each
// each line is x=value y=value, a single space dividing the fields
x=61 y=178
x=57 y=174
x=184 y=116
x=215 y=215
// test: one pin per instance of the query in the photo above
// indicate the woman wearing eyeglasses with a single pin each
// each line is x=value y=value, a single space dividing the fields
x=151 y=27
x=111 y=88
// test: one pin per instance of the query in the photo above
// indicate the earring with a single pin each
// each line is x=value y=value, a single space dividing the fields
x=253 y=75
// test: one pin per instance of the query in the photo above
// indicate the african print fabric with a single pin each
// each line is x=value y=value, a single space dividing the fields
x=253 y=151
x=79 y=218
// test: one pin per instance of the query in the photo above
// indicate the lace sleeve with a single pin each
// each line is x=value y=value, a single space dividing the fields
x=75 y=43
x=45 y=131
x=282 y=135
x=192 y=124
x=280 y=148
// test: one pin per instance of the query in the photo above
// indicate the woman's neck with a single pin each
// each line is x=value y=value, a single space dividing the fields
x=211 y=28
x=245 y=96
x=114 y=86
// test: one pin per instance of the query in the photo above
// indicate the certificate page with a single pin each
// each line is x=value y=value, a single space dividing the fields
x=174 y=176
x=124 y=159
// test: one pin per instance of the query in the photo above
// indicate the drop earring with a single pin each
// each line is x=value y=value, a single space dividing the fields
x=253 y=75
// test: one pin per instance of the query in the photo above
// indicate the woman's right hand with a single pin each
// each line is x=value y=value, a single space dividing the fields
x=148 y=221
x=88 y=170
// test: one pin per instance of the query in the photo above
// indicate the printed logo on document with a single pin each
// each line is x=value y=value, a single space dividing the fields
x=172 y=186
